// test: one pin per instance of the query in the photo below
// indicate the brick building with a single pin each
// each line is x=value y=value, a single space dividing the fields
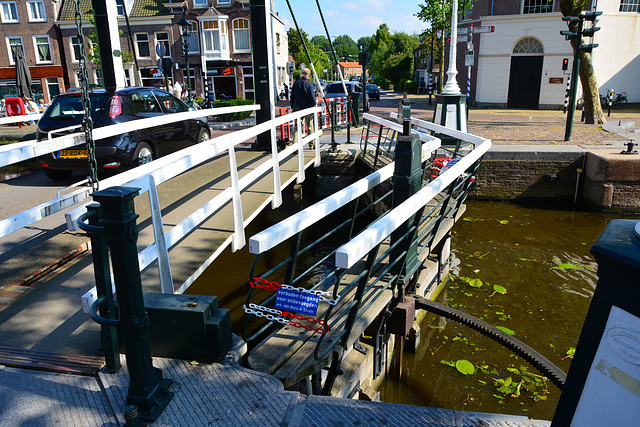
x=219 y=46
x=28 y=25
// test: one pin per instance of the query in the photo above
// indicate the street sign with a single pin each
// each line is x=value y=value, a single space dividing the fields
x=161 y=50
x=463 y=31
x=468 y=58
x=485 y=29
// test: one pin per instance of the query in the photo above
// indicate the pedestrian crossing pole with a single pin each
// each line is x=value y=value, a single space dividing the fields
x=567 y=94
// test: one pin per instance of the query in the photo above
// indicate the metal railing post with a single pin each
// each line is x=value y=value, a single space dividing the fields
x=147 y=389
x=102 y=274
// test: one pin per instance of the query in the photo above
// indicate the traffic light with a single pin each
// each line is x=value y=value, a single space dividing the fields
x=565 y=64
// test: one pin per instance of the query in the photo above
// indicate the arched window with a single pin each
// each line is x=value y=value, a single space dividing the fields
x=241 y=39
x=528 y=46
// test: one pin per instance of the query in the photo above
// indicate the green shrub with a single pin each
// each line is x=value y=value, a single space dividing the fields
x=410 y=85
x=233 y=116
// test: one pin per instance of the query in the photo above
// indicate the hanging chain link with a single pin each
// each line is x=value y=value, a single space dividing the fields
x=87 y=121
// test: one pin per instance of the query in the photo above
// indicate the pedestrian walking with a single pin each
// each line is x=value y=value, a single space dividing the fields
x=303 y=95
x=177 y=90
x=286 y=91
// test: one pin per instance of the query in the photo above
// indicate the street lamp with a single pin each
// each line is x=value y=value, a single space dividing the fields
x=186 y=28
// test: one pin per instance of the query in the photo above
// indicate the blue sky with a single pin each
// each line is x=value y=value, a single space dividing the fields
x=355 y=18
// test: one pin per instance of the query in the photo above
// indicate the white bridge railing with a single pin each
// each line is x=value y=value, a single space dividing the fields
x=147 y=177
x=348 y=254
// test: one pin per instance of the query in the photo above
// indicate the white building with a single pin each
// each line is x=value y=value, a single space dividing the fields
x=519 y=52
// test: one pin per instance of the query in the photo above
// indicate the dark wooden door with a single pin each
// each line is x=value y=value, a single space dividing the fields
x=524 y=81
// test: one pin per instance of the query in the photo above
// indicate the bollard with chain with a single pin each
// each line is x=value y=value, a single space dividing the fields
x=147 y=388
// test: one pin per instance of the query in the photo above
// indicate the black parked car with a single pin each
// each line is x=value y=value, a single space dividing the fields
x=373 y=91
x=122 y=151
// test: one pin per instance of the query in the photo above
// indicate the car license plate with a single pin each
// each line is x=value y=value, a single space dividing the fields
x=73 y=154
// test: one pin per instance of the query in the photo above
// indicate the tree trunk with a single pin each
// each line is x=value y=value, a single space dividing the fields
x=592 y=109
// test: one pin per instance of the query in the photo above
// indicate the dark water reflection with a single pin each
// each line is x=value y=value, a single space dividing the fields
x=541 y=257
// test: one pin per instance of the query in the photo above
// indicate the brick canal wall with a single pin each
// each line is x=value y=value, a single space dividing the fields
x=605 y=179
x=602 y=178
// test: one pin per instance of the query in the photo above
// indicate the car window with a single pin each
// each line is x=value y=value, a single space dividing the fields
x=372 y=87
x=171 y=103
x=70 y=107
x=145 y=102
x=335 y=88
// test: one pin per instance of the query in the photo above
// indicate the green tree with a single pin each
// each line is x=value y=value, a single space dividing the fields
x=437 y=13
x=592 y=109
x=296 y=49
x=364 y=42
x=392 y=58
x=346 y=48
x=322 y=42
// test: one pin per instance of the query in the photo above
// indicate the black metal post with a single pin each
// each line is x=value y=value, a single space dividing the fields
x=147 y=389
x=102 y=274
x=104 y=43
x=574 y=82
x=261 y=72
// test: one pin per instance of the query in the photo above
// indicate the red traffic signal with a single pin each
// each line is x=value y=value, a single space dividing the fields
x=565 y=64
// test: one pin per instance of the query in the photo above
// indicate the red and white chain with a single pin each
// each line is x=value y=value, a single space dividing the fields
x=259 y=282
x=283 y=317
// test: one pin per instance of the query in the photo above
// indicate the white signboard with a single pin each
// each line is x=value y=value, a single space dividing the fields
x=485 y=29
x=611 y=394
x=468 y=58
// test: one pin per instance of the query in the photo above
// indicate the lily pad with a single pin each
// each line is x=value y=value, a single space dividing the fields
x=500 y=289
x=465 y=367
x=505 y=329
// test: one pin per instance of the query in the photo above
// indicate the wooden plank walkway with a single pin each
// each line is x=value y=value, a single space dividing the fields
x=51 y=362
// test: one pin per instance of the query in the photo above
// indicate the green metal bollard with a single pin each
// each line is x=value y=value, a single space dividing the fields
x=147 y=389
x=406 y=180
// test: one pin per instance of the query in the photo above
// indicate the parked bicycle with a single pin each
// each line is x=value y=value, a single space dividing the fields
x=619 y=98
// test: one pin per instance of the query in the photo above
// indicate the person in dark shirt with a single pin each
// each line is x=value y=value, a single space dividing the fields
x=303 y=94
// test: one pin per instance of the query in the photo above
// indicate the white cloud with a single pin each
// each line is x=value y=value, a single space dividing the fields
x=350 y=6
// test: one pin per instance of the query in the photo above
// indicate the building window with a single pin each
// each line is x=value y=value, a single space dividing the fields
x=120 y=7
x=537 y=6
x=241 y=39
x=194 y=39
x=223 y=2
x=215 y=36
x=200 y=3
x=164 y=39
x=142 y=45
x=36 y=11
x=75 y=48
x=9 y=12
x=53 y=87
x=13 y=44
x=528 y=46
x=43 y=49
x=630 y=6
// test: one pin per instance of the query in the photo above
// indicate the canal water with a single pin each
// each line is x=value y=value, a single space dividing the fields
x=527 y=270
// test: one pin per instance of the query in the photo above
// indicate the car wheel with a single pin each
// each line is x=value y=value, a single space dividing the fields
x=57 y=175
x=143 y=154
x=203 y=136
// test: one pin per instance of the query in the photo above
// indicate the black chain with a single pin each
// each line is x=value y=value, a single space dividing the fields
x=87 y=121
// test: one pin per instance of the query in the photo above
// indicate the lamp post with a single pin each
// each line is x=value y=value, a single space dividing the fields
x=186 y=28
x=451 y=104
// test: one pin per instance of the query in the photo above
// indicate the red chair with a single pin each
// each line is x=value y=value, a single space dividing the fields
x=15 y=107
